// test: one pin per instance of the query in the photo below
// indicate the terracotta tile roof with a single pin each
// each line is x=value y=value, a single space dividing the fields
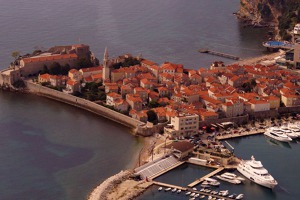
x=91 y=69
x=45 y=76
x=71 y=82
x=49 y=58
x=72 y=71
x=148 y=62
x=114 y=95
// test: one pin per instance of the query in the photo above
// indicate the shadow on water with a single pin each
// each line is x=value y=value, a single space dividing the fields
x=278 y=143
x=32 y=162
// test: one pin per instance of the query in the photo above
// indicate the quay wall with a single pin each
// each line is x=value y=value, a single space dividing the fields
x=238 y=120
x=84 y=104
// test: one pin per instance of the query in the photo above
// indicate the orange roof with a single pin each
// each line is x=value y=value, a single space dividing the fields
x=114 y=95
x=49 y=58
x=71 y=82
x=45 y=76
x=72 y=71
x=148 y=62
x=97 y=76
x=91 y=69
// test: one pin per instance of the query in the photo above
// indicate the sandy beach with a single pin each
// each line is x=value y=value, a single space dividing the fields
x=256 y=60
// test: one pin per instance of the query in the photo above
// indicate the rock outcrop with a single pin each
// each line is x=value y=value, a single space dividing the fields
x=280 y=14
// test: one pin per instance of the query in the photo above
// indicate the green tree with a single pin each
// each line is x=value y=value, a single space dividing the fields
x=84 y=63
x=65 y=69
x=153 y=104
x=55 y=68
x=15 y=54
x=152 y=116
x=45 y=70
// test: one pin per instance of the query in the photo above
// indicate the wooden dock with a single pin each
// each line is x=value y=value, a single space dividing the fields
x=196 y=182
x=219 y=54
x=187 y=189
x=236 y=135
x=169 y=185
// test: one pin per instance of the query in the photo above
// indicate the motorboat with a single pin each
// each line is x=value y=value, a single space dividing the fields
x=229 y=179
x=212 y=182
x=188 y=193
x=223 y=193
x=167 y=189
x=255 y=171
x=193 y=194
x=240 y=196
x=197 y=195
x=160 y=188
x=174 y=190
x=232 y=196
x=288 y=132
x=202 y=196
x=195 y=189
x=178 y=191
x=277 y=135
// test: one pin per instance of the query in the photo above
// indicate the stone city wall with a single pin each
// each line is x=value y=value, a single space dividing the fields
x=85 y=104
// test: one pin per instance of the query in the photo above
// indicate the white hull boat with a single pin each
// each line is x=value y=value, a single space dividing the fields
x=254 y=171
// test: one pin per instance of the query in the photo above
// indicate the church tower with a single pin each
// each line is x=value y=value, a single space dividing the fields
x=105 y=70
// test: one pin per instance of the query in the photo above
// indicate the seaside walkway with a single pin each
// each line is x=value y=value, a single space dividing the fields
x=157 y=167
x=235 y=135
x=196 y=182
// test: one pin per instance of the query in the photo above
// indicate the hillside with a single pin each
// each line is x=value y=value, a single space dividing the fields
x=280 y=14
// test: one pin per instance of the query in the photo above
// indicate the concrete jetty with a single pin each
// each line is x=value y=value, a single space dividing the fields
x=235 y=135
x=196 y=182
x=219 y=54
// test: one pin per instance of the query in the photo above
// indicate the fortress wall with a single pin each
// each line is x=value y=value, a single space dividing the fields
x=84 y=104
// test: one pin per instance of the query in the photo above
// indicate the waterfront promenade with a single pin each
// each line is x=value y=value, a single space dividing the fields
x=242 y=134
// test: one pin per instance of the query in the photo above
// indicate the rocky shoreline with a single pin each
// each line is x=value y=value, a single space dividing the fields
x=119 y=187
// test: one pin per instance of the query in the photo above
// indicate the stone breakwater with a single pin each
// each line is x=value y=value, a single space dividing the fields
x=101 y=191
x=119 y=187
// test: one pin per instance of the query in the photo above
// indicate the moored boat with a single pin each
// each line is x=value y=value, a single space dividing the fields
x=254 y=171
x=160 y=188
x=240 y=196
x=277 y=135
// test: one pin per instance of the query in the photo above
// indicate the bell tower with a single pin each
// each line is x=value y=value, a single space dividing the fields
x=106 y=69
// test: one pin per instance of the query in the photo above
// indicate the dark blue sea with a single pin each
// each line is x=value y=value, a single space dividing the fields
x=50 y=150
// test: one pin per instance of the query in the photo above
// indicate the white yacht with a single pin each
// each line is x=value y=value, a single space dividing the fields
x=255 y=171
x=229 y=177
x=212 y=182
x=295 y=129
x=288 y=132
x=277 y=135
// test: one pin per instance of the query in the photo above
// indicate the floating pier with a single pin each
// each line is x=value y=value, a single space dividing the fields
x=196 y=182
x=219 y=54
x=187 y=189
